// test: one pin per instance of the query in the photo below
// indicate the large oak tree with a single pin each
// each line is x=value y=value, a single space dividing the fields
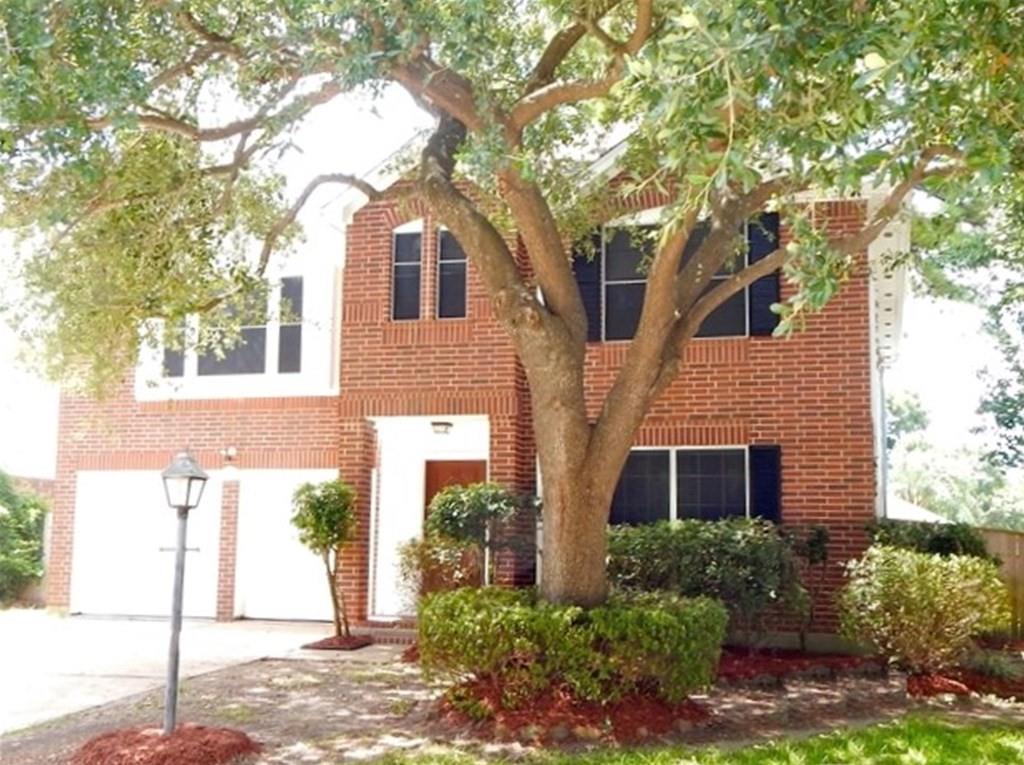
x=143 y=205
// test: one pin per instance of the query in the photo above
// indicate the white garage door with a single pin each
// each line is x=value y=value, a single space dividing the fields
x=123 y=557
x=276 y=576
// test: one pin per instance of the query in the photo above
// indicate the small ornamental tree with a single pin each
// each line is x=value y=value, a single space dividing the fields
x=22 y=517
x=324 y=514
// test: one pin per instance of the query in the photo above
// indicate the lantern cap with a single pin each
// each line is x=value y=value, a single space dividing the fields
x=184 y=465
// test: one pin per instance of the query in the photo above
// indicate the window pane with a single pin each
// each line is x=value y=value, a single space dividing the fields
x=642 y=495
x=711 y=483
x=623 y=303
x=450 y=248
x=289 y=350
x=407 y=248
x=248 y=357
x=174 y=363
x=624 y=254
x=728 y=319
x=406 y=301
x=451 y=297
x=291 y=299
x=700 y=230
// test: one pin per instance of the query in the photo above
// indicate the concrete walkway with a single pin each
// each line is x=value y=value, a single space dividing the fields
x=51 y=665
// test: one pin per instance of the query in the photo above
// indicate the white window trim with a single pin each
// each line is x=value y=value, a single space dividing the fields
x=673 y=487
x=650 y=218
x=437 y=279
x=315 y=378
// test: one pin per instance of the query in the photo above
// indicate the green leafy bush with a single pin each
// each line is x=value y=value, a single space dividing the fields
x=745 y=563
x=467 y=512
x=933 y=538
x=438 y=564
x=993 y=664
x=921 y=611
x=22 y=518
x=521 y=646
x=325 y=515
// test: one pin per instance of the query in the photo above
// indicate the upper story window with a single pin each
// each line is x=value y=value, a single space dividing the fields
x=279 y=314
x=451 y=277
x=406 y=273
x=612 y=276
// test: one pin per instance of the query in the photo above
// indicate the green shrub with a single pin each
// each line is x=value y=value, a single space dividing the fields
x=933 y=538
x=921 y=611
x=22 y=519
x=438 y=564
x=465 y=513
x=993 y=664
x=513 y=642
x=745 y=563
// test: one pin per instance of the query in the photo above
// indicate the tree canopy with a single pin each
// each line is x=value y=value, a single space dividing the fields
x=140 y=138
x=141 y=145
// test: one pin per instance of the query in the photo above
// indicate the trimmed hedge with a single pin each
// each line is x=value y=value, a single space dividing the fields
x=932 y=538
x=747 y=564
x=521 y=646
x=921 y=611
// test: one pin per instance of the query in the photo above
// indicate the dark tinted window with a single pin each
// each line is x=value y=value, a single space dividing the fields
x=622 y=306
x=174 y=356
x=405 y=299
x=711 y=483
x=728 y=319
x=249 y=356
x=643 y=493
x=289 y=347
x=451 y=278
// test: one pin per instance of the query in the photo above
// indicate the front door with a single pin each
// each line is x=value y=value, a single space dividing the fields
x=441 y=474
x=444 y=473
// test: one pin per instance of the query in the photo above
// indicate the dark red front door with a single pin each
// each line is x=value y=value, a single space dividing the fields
x=445 y=473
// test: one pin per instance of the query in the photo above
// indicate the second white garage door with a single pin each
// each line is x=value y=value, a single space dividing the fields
x=122 y=560
x=276 y=577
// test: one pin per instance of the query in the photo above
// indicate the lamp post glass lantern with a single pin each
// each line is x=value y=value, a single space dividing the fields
x=183 y=481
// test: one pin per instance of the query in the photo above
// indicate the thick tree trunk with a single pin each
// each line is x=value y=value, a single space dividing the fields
x=575 y=543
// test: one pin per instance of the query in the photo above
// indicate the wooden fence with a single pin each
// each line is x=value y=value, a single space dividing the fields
x=1009 y=546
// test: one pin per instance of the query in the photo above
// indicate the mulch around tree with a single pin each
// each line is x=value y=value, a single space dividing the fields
x=557 y=715
x=739 y=665
x=191 y=744
x=336 y=643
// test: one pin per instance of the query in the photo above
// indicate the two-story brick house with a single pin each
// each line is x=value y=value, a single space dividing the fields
x=391 y=369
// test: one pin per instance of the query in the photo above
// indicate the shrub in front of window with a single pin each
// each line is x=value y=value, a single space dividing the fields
x=325 y=515
x=935 y=538
x=747 y=564
x=22 y=517
x=512 y=643
x=921 y=611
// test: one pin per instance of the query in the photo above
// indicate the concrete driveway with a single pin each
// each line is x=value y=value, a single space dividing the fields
x=51 y=665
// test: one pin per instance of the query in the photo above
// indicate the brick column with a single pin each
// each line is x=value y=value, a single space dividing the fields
x=227 y=551
x=356 y=458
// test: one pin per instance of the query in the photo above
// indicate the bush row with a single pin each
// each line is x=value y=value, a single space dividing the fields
x=521 y=646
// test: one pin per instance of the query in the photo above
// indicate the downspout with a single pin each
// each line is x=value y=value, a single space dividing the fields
x=883 y=427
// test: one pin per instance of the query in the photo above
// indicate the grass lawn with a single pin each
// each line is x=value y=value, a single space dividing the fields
x=915 y=740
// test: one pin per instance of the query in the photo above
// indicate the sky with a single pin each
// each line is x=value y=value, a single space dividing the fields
x=354 y=136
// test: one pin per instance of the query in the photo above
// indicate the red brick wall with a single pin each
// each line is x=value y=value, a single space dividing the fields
x=124 y=434
x=810 y=394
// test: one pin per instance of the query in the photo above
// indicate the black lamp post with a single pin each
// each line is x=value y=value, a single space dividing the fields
x=184 y=481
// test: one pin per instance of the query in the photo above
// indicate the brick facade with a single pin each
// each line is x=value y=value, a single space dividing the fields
x=810 y=394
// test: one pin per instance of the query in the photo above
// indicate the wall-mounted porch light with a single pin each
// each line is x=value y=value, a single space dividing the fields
x=441 y=427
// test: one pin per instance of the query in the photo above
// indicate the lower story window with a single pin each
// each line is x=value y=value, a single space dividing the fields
x=662 y=484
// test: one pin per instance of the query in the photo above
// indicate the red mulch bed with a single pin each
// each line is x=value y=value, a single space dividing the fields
x=557 y=715
x=334 y=643
x=187 y=745
x=935 y=685
x=1007 y=689
x=739 y=664
x=411 y=655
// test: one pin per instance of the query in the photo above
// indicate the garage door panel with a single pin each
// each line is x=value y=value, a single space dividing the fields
x=277 y=577
x=124 y=539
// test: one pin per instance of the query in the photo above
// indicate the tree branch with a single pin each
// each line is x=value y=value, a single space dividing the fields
x=541 y=100
x=561 y=45
x=292 y=212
